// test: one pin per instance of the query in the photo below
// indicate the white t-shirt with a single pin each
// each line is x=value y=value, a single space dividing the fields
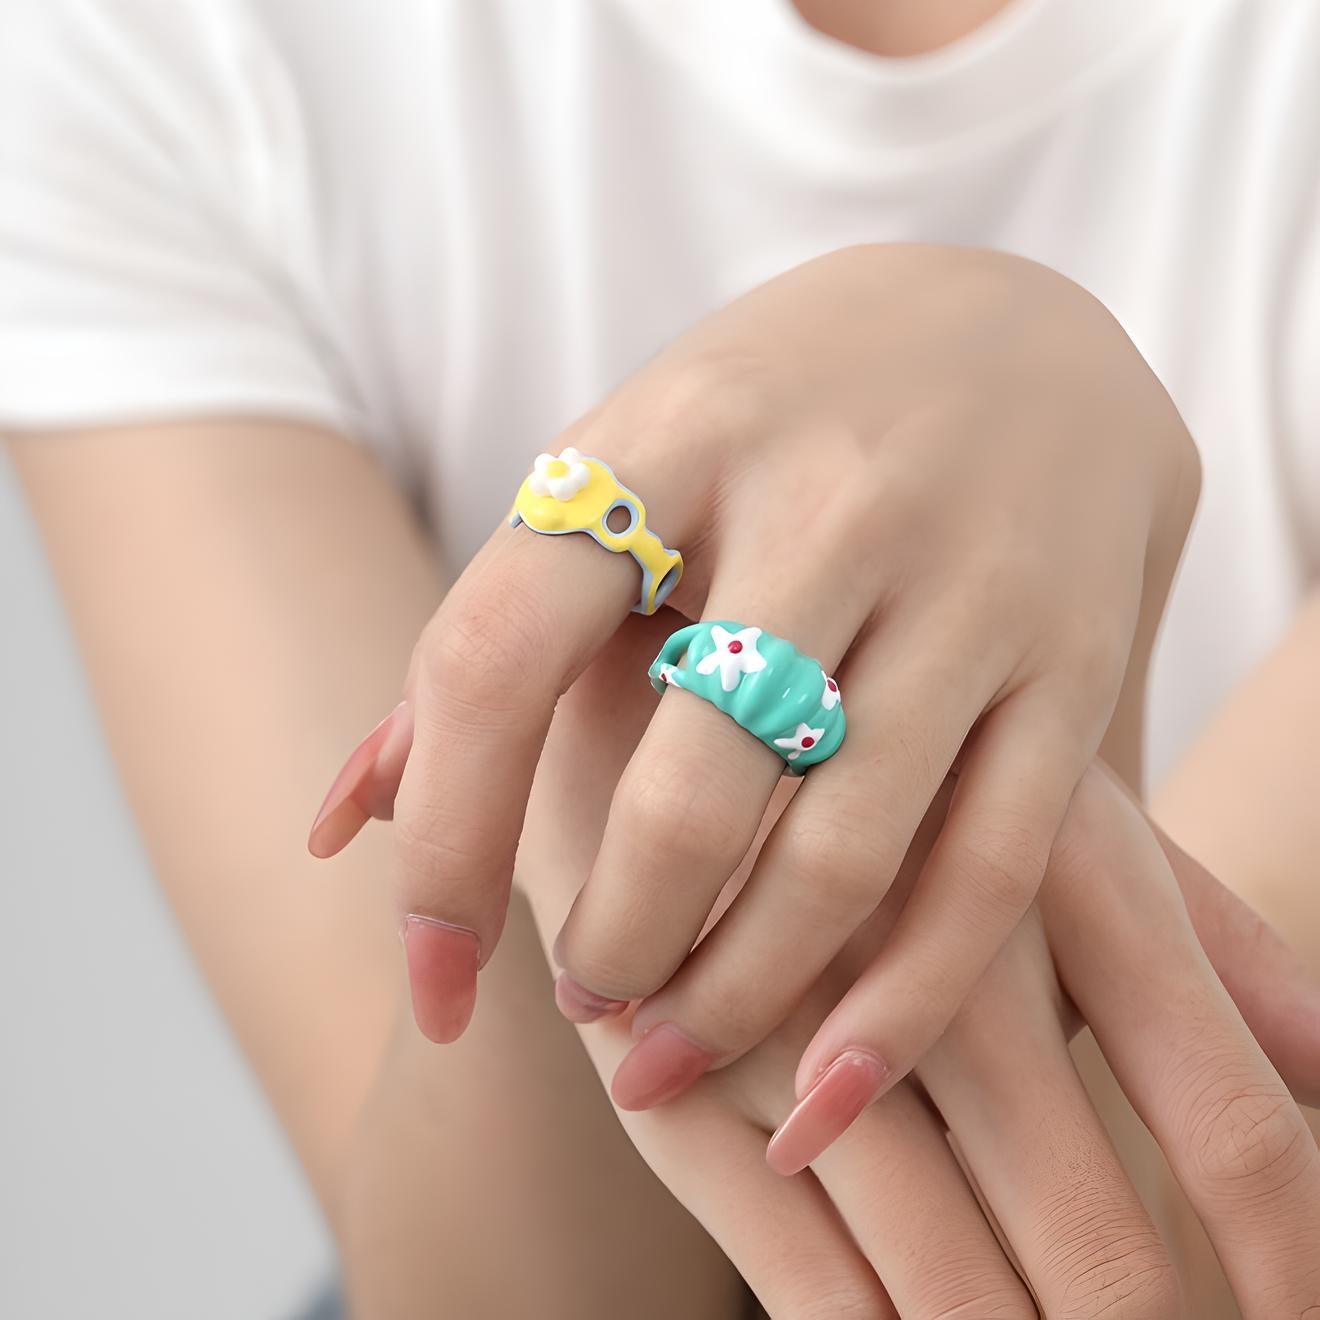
x=448 y=228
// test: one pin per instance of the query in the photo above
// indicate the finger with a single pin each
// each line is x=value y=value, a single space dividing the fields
x=979 y=879
x=1272 y=987
x=366 y=786
x=898 y=1187
x=834 y=853
x=369 y=781
x=516 y=629
x=1004 y=1081
x=785 y=1239
x=1233 y=1137
x=689 y=803
x=784 y=1236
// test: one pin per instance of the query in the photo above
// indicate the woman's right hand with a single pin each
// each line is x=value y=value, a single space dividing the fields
x=950 y=477
x=886 y=1222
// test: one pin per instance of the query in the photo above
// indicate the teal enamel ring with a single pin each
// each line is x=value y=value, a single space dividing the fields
x=761 y=682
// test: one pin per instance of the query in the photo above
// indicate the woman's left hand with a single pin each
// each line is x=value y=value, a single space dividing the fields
x=945 y=474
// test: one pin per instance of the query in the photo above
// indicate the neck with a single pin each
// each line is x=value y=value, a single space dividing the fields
x=898 y=27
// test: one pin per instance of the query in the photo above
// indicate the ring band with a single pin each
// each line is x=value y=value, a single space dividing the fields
x=574 y=493
x=765 y=684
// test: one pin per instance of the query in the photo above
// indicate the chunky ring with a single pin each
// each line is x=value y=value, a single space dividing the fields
x=573 y=493
x=764 y=683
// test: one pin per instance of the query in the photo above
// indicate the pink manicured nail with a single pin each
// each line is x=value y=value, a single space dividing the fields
x=578 y=1004
x=836 y=1098
x=355 y=797
x=442 y=971
x=661 y=1064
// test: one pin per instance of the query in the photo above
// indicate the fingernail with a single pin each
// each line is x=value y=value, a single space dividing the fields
x=342 y=815
x=578 y=1004
x=442 y=972
x=661 y=1064
x=836 y=1098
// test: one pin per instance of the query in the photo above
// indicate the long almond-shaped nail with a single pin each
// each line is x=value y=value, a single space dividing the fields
x=660 y=1066
x=442 y=973
x=836 y=1098
x=355 y=796
x=578 y=1004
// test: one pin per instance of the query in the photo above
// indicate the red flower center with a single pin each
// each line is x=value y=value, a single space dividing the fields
x=735 y=646
x=831 y=684
x=808 y=741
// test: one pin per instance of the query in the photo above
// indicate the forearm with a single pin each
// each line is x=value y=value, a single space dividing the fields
x=246 y=598
x=1243 y=800
x=223 y=581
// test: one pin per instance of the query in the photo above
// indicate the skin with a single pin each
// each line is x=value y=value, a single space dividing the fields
x=259 y=680
x=871 y=401
x=360 y=1090
x=1112 y=916
x=1242 y=801
x=898 y=27
x=345 y=1140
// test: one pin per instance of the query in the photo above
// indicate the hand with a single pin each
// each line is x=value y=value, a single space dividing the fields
x=1001 y=1080
x=942 y=472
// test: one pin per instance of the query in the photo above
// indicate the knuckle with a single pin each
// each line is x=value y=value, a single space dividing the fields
x=1011 y=579
x=708 y=394
x=1242 y=1137
x=1141 y=1284
x=1248 y=1143
x=485 y=650
x=1103 y=1256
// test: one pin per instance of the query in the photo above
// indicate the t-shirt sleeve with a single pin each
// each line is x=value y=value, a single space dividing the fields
x=157 y=231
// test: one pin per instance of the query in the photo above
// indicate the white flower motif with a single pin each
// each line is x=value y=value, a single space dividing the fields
x=561 y=477
x=831 y=696
x=667 y=673
x=803 y=739
x=735 y=654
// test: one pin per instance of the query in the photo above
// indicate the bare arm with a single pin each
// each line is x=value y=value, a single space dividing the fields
x=1245 y=800
x=246 y=596
x=218 y=625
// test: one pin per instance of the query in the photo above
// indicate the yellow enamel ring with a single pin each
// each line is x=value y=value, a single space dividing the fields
x=574 y=493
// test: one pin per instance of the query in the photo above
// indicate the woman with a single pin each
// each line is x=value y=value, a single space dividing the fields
x=243 y=196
